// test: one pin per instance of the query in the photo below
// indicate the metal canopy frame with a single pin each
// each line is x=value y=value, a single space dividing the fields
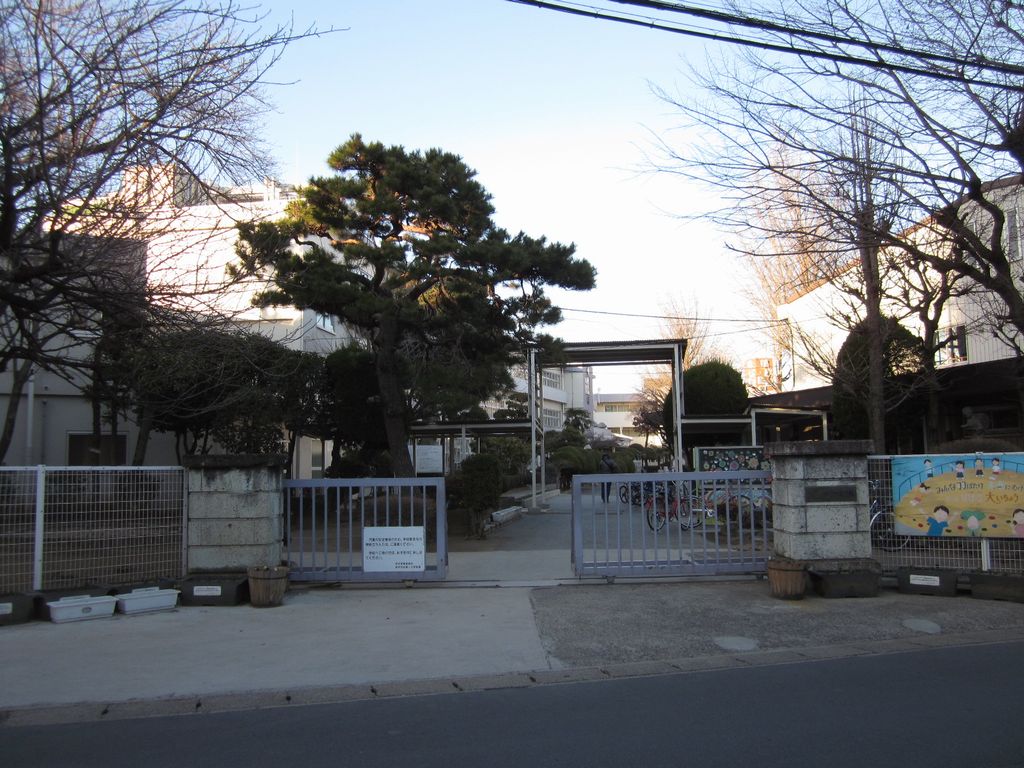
x=655 y=351
x=464 y=429
x=756 y=417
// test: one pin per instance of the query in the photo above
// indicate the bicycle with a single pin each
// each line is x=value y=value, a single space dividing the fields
x=748 y=507
x=882 y=524
x=671 y=504
x=635 y=493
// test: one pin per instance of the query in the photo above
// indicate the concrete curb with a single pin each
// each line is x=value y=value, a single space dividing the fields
x=232 y=702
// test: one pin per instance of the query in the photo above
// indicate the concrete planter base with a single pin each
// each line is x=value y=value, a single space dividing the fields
x=845 y=578
x=998 y=586
x=15 y=609
x=215 y=589
x=927 y=581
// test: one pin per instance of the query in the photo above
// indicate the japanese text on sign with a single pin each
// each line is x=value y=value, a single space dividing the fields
x=394 y=548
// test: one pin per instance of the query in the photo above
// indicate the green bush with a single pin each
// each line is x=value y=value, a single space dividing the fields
x=476 y=489
x=714 y=387
x=570 y=457
x=513 y=453
x=902 y=357
x=624 y=460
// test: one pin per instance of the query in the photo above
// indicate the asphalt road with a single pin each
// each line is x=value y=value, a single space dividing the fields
x=954 y=707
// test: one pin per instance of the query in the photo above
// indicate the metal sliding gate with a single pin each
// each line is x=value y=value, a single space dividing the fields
x=366 y=529
x=671 y=524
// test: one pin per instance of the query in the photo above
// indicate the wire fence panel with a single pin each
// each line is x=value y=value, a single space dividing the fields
x=671 y=524
x=76 y=527
x=962 y=554
x=17 y=528
x=329 y=524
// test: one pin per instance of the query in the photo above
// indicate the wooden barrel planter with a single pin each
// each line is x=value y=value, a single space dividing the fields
x=787 y=578
x=267 y=585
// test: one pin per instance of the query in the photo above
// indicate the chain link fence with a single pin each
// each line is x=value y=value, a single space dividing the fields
x=76 y=527
x=963 y=554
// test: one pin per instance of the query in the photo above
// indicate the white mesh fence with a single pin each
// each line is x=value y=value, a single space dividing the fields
x=71 y=527
x=960 y=553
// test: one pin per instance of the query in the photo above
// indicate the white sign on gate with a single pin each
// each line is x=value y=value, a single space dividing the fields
x=394 y=548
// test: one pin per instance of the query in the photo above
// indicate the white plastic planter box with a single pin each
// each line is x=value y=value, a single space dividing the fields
x=81 y=608
x=147 y=600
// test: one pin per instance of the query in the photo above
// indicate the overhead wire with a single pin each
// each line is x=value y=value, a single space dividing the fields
x=662 y=25
x=752 y=324
x=829 y=37
x=668 y=317
x=730 y=19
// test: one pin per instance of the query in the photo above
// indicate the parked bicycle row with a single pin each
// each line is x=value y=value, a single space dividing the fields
x=693 y=503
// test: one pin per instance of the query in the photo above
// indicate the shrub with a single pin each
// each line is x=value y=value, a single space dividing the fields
x=570 y=457
x=477 y=490
x=714 y=387
x=624 y=460
x=903 y=355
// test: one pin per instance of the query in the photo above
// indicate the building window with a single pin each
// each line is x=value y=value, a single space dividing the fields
x=616 y=408
x=552 y=419
x=552 y=379
x=952 y=345
x=113 y=451
x=325 y=322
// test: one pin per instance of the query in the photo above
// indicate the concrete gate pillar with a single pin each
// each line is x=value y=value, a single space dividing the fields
x=820 y=503
x=235 y=509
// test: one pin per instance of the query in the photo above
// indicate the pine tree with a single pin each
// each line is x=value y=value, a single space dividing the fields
x=401 y=246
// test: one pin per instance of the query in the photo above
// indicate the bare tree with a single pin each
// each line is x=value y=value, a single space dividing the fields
x=784 y=261
x=897 y=149
x=682 y=319
x=114 y=114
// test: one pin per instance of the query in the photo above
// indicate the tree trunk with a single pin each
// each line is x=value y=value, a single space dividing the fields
x=115 y=459
x=22 y=373
x=335 y=453
x=293 y=437
x=876 y=347
x=96 y=439
x=142 y=442
x=392 y=398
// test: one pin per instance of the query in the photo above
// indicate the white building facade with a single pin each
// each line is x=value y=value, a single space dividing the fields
x=192 y=243
x=976 y=349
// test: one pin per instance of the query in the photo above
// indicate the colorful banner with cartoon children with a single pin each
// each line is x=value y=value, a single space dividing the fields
x=973 y=495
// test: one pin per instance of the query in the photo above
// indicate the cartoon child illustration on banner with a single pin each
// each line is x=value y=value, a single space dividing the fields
x=970 y=496
x=939 y=521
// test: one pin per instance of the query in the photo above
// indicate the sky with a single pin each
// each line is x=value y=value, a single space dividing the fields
x=557 y=116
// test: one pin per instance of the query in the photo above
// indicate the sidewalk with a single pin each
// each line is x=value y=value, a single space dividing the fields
x=327 y=645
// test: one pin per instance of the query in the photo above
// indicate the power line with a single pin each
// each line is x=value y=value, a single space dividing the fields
x=754 y=22
x=674 y=317
x=732 y=39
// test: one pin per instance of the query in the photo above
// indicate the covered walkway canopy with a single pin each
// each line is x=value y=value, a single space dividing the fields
x=594 y=353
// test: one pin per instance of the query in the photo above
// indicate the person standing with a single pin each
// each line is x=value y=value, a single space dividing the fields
x=607 y=467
